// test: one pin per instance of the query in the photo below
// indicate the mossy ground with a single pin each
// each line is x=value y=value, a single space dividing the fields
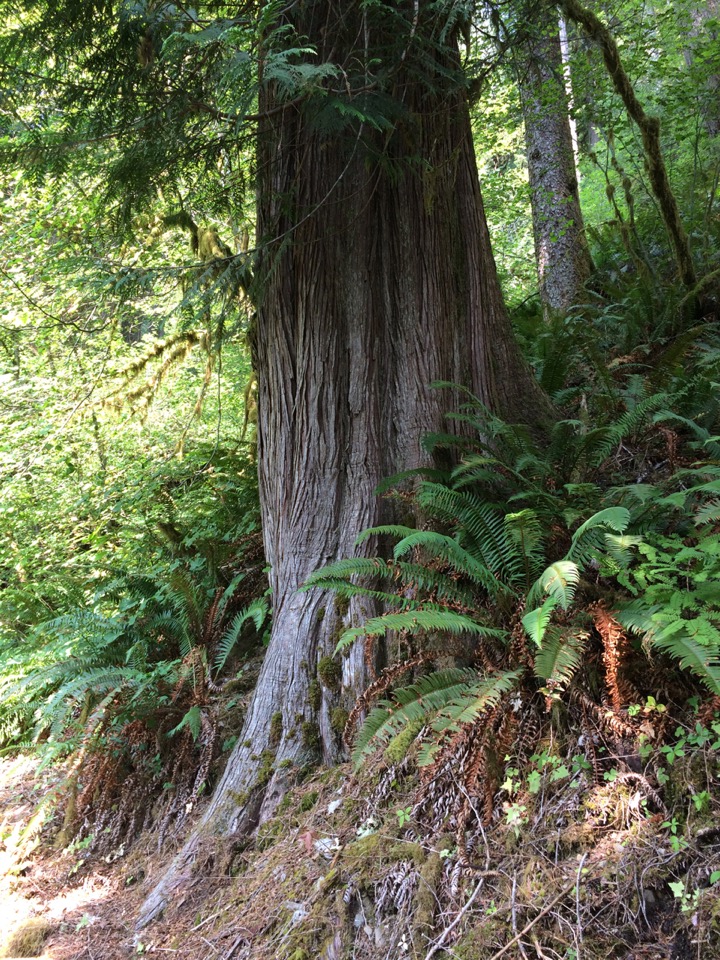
x=344 y=870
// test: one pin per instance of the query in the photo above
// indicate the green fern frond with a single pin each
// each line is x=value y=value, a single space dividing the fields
x=702 y=436
x=617 y=518
x=192 y=720
x=630 y=422
x=449 y=550
x=137 y=655
x=182 y=593
x=588 y=541
x=537 y=620
x=594 y=447
x=427 y=752
x=619 y=547
x=228 y=594
x=707 y=513
x=344 y=570
x=416 y=702
x=559 y=580
x=395 y=530
x=680 y=498
x=478 y=473
x=437 y=583
x=415 y=622
x=420 y=579
x=482 y=696
x=704 y=662
x=98 y=681
x=258 y=612
x=453 y=697
x=639 y=493
x=525 y=529
x=560 y=656
x=348 y=590
x=639 y=616
x=85 y=627
x=481 y=529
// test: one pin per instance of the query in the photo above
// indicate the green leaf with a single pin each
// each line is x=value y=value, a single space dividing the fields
x=617 y=518
x=560 y=656
x=559 y=580
x=536 y=621
x=192 y=720
x=415 y=622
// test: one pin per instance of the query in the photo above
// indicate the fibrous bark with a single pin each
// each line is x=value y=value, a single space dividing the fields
x=376 y=279
x=563 y=257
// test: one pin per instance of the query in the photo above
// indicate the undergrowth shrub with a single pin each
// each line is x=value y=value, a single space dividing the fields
x=541 y=585
x=126 y=691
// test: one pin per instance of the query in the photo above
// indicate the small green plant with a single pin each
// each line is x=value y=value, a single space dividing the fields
x=516 y=817
x=673 y=751
x=687 y=900
x=701 y=801
x=404 y=815
x=534 y=781
x=651 y=706
x=677 y=841
x=512 y=780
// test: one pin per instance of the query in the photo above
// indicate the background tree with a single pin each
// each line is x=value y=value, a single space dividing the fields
x=649 y=127
x=702 y=56
x=561 y=248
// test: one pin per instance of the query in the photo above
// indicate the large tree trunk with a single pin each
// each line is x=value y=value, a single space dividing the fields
x=561 y=250
x=377 y=278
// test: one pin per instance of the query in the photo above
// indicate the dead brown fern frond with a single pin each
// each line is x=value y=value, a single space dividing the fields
x=604 y=718
x=460 y=772
x=210 y=626
x=708 y=710
x=614 y=641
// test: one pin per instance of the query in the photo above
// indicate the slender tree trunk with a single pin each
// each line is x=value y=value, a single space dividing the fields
x=649 y=130
x=377 y=279
x=704 y=38
x=561 y=250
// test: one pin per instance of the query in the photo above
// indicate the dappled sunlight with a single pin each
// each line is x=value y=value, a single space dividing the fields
x=48 y=901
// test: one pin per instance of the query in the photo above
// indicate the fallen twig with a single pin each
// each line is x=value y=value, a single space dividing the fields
x=545 y=910
x=448 y=930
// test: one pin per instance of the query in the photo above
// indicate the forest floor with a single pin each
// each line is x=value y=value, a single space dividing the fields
x=51 y=904
x=337 y=874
